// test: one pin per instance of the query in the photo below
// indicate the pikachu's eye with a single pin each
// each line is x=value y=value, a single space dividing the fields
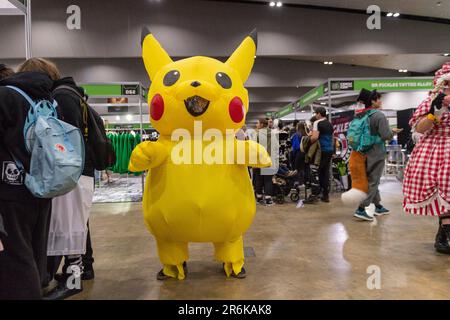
x=171 y=78
x=224 y=80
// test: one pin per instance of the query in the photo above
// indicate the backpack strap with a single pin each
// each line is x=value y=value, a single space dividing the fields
x=23 y=94
x=83 y=105
x=64 y=87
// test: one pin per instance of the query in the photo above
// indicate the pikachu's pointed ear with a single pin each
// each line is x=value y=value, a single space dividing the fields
x=155 y=57
x=243 y=57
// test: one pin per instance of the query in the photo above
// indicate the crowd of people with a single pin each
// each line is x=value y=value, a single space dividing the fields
x=36 y=234
x=301 y=146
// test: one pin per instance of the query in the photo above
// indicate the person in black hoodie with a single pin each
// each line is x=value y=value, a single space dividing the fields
x=23 y=263
x=4 y=73
x=68 y=96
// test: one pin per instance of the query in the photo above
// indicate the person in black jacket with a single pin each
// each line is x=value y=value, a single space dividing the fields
x=68 y=96
x=4 y=73
x=23 y=262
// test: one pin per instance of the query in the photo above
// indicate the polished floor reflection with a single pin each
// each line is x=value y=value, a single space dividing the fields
x=316 y=252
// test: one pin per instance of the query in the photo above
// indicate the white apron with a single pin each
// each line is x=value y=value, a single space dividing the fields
x=68 y=224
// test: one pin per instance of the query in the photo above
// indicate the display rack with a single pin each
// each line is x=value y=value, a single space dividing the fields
x=115 y=187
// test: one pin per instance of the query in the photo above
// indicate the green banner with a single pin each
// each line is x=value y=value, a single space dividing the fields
x=311 y=96
x=395 y=84
x=285 y=111
x=304 y=101
x=111 y=90
x=93 y=90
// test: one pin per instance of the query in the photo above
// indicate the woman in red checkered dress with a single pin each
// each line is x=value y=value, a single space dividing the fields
x=426 y=186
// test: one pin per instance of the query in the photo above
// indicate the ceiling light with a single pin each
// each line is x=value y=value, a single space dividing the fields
x=323 y=103
x=272 y=4
x=118 y=118
x=446 y=54
x=396 y=15
x=129 y=117
x=328 y=62
x=439 y=3
x=390 y=14
x=403 y=70
x=279 y=4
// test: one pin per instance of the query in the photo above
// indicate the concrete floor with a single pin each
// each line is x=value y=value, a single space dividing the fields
x=316 y=252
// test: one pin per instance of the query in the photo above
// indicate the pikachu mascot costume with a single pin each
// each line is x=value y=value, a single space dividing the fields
x=193 y=192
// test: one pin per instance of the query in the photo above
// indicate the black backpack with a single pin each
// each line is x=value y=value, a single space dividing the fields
x=98 y=145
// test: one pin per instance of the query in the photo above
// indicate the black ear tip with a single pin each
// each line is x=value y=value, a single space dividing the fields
x=254 y=36
x=144 y=33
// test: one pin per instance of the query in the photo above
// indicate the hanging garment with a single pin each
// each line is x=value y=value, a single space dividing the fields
x=68 y=224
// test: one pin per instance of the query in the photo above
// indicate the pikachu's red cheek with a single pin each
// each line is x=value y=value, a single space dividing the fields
x=157 y=107
x=236 y=110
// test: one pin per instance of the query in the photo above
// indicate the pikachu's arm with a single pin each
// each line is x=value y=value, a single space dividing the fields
x=147 y=155
x=256 y=155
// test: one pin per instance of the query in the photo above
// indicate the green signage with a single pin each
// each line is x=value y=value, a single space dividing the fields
x=395 y=84
x=411 y=84
x=111 y=90
x=311 y=96
x=304 y=101
x=285 y=111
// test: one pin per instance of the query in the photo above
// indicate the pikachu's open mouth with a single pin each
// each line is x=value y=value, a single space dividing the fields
x=196 y=105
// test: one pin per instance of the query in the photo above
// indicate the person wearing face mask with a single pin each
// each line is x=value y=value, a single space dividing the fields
x=426 y=185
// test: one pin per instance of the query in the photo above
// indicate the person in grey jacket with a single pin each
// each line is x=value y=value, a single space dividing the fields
x=379 y=125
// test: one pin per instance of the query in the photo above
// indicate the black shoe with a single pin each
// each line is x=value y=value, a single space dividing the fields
x=241 y=274
x=61 y=292
x=161 y=276
x=441 y=245
x=88 y=274
x=325 y=199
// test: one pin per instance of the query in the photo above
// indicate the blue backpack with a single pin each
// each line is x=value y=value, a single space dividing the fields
x=359 y=136
x=56 y=148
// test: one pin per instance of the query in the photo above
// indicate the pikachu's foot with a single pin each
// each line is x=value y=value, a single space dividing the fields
x=177 y=272
x=235 y=270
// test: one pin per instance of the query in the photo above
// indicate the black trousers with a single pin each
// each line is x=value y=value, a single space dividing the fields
x=23 y=263
x=324 y=173
x=262 y=184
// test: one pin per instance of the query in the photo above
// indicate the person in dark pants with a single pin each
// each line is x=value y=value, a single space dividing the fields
x=262 y=179
x=69 y=95
x=323 y=131
x=23 y=262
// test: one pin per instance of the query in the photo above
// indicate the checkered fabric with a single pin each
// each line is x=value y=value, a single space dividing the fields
x=426 y=185
x=442 y=72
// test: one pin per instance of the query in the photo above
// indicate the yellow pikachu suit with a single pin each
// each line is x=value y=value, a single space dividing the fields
x=196 y=200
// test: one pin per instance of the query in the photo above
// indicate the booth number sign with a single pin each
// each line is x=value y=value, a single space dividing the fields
x=130 y=90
